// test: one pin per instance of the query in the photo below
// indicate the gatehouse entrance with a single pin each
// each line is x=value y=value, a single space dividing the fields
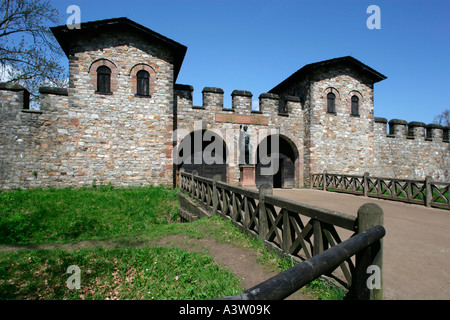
x=205 y=152
x=285 y=170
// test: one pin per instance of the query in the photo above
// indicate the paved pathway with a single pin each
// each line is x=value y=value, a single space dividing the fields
x=416 y=245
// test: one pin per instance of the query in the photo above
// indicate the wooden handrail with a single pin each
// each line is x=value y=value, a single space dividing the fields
x=335 y=218
x=287 y=282
x=427 y=192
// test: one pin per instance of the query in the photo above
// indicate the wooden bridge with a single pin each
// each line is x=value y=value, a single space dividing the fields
x=295 y=230
x=416 y=248
x=303 y=223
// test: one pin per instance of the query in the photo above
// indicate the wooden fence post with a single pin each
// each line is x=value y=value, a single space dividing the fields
x=318 y=238
x=380 y=187
x=367 y=280
x=215 y=196
x=192 y=184
x=233 y=213
x=263 y=228
x=181 y=178
x=409 y=191
x=324 y=180
x=366 y=184
x=428 y=191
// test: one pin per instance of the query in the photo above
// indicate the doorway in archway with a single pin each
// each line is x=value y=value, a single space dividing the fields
x=205 y=152
x=284 y=174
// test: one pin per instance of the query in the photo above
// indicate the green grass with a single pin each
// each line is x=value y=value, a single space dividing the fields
x=323 y=289
x=121 y=216
x=132 y=218
x=126 y=273
x=63 y=215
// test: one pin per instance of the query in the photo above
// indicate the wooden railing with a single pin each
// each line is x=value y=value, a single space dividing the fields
x=291 y=229
x=425 y=192
x=280 y=286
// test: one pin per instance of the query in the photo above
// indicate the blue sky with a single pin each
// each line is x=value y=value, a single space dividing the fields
x=255 y=44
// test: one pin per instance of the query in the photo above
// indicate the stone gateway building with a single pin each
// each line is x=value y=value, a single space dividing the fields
x=125 y=120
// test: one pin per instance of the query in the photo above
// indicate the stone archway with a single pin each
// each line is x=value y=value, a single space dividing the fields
x=285 y=169
x=204 y=152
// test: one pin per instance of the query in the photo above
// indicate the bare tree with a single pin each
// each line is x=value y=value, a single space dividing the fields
x=443 y=118
x=29 y=53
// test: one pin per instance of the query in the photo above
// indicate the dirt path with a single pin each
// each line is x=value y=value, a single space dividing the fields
x=416 y=246
x=241 y=261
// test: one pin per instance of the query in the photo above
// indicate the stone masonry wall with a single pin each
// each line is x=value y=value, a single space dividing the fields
x=80 y=137
x=226 y=122
x=403 y=150
x=121 y=138
x=32 y=143
x=60 y=145
x=341 y=142
x=337 y=142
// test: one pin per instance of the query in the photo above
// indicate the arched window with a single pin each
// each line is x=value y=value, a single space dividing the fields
x=331 y=98
x=355 y=105
x=103 y=79
x=143 y=83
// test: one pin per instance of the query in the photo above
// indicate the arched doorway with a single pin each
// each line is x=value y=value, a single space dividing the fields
x=285 y=155
x=203 y=151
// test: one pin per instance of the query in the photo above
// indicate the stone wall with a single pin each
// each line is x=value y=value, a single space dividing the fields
x=226 y=122
x=121 y=138
x=80 y=136
x=106 y=140
x=341 y=142
x=347 y=144
x=411 y=150
x=32 y=143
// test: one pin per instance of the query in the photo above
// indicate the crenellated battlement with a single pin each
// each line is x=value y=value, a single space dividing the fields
x=402 y=129
x=16 y=98
x=411 y=149
x=241 y=101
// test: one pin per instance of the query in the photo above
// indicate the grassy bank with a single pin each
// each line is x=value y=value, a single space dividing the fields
x=150 y=273
x=62 y=215
x=112 y=235
x=122 y=216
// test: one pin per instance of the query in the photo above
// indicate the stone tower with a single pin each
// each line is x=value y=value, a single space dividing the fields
x=337 y=99
x=121 y=103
